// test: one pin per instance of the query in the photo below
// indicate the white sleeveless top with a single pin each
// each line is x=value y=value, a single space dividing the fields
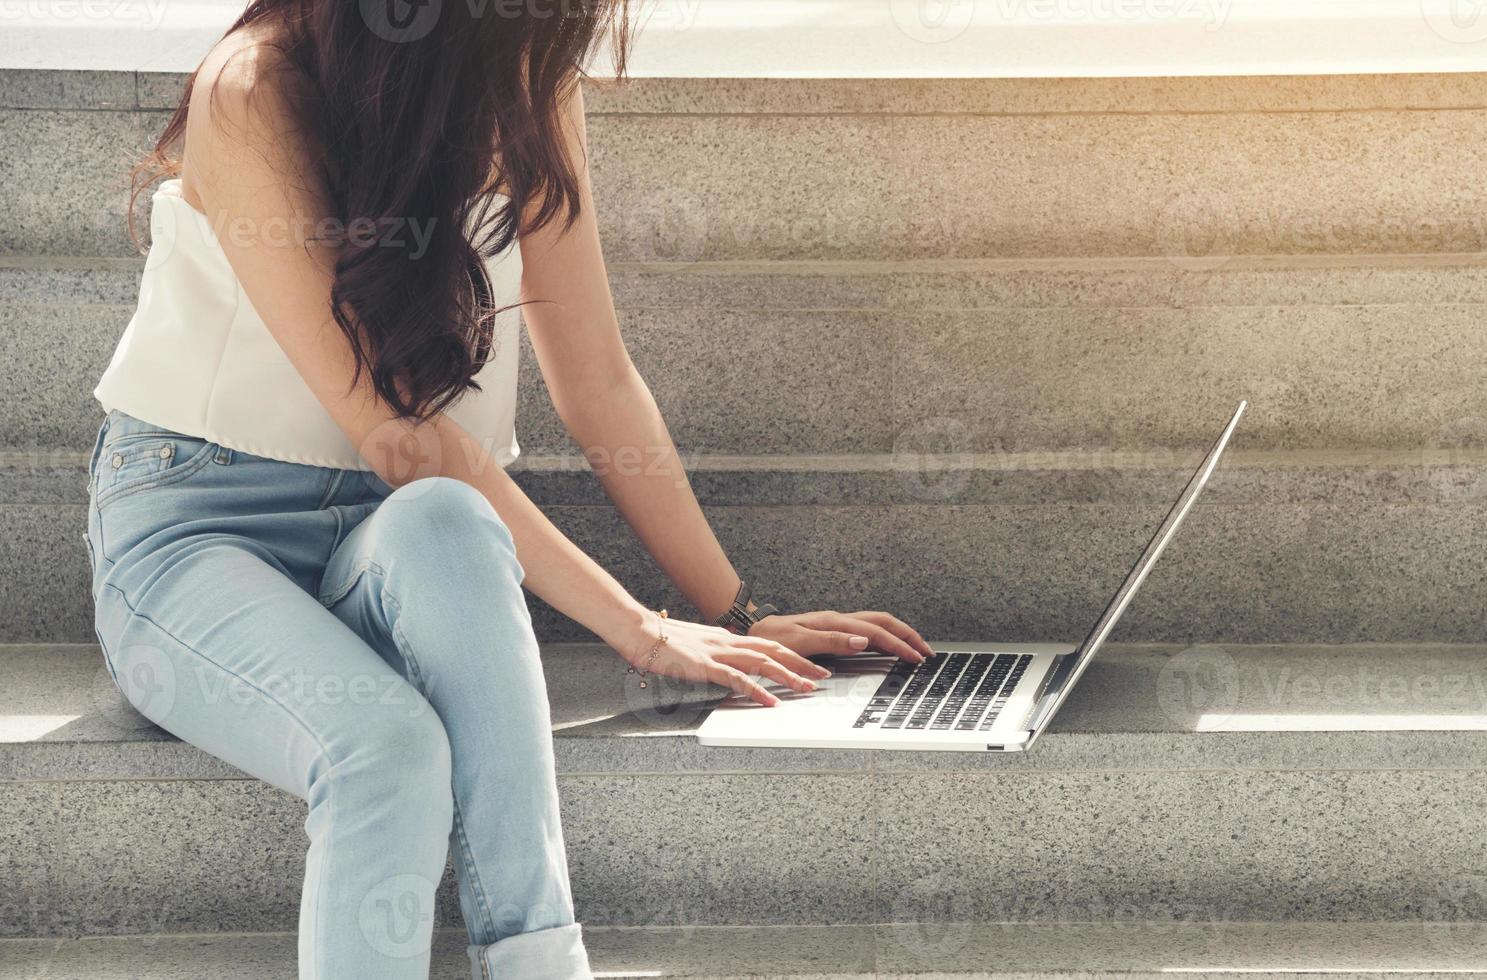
x=197 y=359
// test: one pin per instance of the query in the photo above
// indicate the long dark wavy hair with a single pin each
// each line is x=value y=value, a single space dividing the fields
x=417 y=108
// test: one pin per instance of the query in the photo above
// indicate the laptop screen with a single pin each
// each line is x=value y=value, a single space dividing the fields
x=1062 y=680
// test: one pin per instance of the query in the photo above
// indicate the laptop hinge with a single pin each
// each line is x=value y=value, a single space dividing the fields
x=1053 y=683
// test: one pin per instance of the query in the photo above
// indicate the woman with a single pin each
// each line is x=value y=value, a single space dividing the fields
x=305 y=543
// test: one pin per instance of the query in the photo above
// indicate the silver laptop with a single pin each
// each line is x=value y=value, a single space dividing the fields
x=971 y=697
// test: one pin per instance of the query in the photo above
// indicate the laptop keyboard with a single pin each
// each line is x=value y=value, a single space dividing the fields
x=963 y=692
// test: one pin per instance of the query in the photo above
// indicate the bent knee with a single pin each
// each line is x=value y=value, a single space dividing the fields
x=440 y=493
x=442 y=509
x=406 y=745
x=394 y=767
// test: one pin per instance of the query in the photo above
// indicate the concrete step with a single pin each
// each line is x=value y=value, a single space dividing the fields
x=980 y=356
x=691 y=169
x=1210 y=785
x=1284 y=547
x=881 y=952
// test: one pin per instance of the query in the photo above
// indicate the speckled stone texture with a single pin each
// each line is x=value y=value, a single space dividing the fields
x=1288 y=547
x=144 y=857
x=1033 y=96
x=43 y=89
x=79 y=208
x=1210 y=845
x=1144 y=949
x=1343 y=572
x=153 y=89
x=1131 y=809
x=1281 y=708
x=903 y=172
x=44 y=574
x=911 y=186
x=976 y=357
x=202 y=855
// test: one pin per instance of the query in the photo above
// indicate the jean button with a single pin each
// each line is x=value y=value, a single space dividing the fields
x=166 y=452
x=118 y=460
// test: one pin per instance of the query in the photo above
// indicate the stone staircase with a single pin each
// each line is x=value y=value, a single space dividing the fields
x=849 y=952
x=944 y=347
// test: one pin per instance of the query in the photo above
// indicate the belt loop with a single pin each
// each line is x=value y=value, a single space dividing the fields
x=332 y=487
x=98 y=444
x=223 y=457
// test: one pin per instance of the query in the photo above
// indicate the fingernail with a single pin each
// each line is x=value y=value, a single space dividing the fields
x=858 y=643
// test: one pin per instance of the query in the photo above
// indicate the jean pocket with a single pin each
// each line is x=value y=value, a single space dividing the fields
x=145 y=460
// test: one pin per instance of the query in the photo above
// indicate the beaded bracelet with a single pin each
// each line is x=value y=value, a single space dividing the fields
x=655 y=650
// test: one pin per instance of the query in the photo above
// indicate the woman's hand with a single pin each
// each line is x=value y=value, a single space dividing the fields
x=695 y=653
x=844 y=634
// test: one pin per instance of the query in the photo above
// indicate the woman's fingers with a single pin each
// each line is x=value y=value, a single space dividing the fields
x=733 y=661
x=877 y=636
x=898 y=628
x=806 y=636
x=837 y=642
x=764 y=666
x=785 y=655
x=740 y=683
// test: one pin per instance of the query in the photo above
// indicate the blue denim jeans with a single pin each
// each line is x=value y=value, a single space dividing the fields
x=367 y=650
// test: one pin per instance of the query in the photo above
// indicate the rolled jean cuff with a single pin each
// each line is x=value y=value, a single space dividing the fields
x=547 y=954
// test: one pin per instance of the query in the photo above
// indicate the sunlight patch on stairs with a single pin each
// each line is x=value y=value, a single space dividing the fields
x=29 y=728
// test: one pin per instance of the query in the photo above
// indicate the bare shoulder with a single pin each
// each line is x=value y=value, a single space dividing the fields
x=241 y=103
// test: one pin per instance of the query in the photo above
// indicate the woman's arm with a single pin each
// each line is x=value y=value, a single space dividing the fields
x=246 y=171
x=603 y=401
x=608 y=409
